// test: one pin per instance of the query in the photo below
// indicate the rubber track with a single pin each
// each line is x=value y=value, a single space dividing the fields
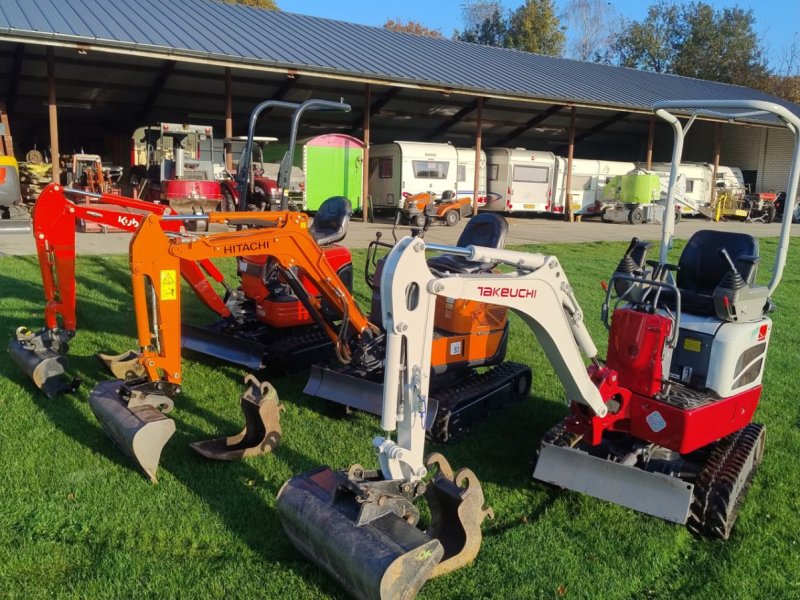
x=722 y=484
x=456 y=401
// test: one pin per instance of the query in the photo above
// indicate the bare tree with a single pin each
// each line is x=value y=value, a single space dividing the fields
x=592 y=26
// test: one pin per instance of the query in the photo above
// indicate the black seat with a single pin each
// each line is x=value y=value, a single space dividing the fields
x=486 y=229
x=701 y=268
x=331 y=221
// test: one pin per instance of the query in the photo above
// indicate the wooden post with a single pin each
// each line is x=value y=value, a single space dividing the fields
x=478 y=143
x=650 y=137
x=570 y=152
x=365 y=184
x=51 y=101
x=228 y=119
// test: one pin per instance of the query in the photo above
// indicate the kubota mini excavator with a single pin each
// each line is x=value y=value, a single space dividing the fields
x=130 y=410
x=468 y=335
x=41 y=354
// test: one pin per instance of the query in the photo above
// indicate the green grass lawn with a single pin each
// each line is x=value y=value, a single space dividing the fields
x=77 y=520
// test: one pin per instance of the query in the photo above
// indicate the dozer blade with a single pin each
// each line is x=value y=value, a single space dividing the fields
x=15 y=225
x=655 y=494
x=135 y=425
x=335 y=385
x=40 y=356
x=122 y=366
x=262 y=429
x=232 y=349
x=362 y=530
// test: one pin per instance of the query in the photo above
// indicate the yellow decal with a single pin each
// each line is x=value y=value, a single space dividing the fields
x=169 y=284
x=692 y=344
x=303 y=225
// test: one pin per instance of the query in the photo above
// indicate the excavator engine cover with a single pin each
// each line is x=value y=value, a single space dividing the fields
x=361 y=529
x=41 y=357
x=136 y=423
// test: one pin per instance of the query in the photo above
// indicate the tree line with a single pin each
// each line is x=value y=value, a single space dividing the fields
x=692 y=39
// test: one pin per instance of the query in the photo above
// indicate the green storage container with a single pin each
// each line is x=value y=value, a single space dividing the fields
x=640 y=188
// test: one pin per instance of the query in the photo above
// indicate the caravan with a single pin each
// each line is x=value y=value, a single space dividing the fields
x=518 y=180
x=589 y=178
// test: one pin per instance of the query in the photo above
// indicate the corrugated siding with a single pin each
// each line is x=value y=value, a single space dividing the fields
x=241 y=34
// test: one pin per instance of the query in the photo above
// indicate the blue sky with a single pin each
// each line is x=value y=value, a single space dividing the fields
x=776 y=20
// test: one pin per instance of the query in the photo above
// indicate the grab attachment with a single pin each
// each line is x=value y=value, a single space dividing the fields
x=262 y=429
x=362 y=529
x=41 y=357
x=133 y=417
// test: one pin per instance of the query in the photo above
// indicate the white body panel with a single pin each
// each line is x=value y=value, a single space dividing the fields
x=412 y=168
x=730 y=359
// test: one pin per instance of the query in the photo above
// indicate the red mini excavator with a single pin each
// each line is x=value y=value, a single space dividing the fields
x=41 y=355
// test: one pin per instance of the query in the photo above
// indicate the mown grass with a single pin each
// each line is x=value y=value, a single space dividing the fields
x=77 y=521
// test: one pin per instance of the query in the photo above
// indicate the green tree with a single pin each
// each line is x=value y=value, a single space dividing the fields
x=411 y=27
x=694 y=40
x=484 y=23
x=535 y=27
x=266 y=4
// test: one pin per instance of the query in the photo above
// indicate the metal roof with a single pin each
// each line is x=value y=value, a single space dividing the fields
x=235 y=35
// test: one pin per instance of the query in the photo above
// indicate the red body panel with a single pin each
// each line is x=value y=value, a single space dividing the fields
x=684 y=430
x=635 y=349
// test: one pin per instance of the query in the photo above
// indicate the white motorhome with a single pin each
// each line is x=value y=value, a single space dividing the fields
x=518 y=180
x=466 y=174
x=410 y=168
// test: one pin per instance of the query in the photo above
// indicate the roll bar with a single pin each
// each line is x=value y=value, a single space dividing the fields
x=731 y=111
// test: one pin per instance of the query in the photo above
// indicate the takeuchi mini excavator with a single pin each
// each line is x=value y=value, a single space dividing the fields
x=41 y=354
x=132 y=411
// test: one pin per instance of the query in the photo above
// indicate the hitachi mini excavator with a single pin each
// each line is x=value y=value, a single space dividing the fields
x=662 y=426
x=41 y=355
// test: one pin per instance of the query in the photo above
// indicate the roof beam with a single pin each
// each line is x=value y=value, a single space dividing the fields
x=281 y=92
x=148 y=105
x=454 y=120
x=601 y=126
x=13 y=84
x=529 y=125
x=375 y=107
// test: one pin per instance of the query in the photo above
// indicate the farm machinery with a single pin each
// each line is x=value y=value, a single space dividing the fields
x=41 y=354
x=663 y=425
x=14 y=214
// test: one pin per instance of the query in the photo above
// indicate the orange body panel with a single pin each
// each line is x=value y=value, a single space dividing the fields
x=452 y=349
x=455 y=315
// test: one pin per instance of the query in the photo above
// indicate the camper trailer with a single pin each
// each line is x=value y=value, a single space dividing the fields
x=518 y=180
x=698 y=184
x=589 y=177
x=410 y=168
x=466 y=174
x=333 y=166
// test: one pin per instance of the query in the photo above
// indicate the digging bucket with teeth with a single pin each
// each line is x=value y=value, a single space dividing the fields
x=362 y=529
x=41 y=357
x=262 y=429
x=133 y=417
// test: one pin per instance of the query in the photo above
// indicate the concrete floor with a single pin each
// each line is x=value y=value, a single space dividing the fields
x=521 y=231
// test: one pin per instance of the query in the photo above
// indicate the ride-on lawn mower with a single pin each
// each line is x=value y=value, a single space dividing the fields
x=419 y=208
x=41 y=355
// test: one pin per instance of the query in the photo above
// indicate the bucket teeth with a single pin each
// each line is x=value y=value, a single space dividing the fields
x=262 y=430
x=457 y=511
x=41 y=357
x=123 y=366
x=136 y=424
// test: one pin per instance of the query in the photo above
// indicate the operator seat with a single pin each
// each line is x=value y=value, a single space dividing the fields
x=701 y=268
x=485 y=229
x=331 y=221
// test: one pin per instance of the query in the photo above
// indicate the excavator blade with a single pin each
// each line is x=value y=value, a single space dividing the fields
x=41 y=357
x=122 y=366
x=262 y=429
x=138 y=428
x=246 y=353
x=362 y=530
x=337 y=385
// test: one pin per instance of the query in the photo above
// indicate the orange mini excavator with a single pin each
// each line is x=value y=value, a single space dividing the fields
x=41 y=354
x=131 y=411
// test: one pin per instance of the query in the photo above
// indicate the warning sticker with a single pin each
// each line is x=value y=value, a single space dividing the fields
x=692 y=344
x=169 y=285
x=656 y=421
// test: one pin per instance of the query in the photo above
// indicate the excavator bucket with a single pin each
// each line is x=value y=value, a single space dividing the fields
x=262 y=430
x=362 y=530
x=41 y=357
x=136 y=424
x=123 y=366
